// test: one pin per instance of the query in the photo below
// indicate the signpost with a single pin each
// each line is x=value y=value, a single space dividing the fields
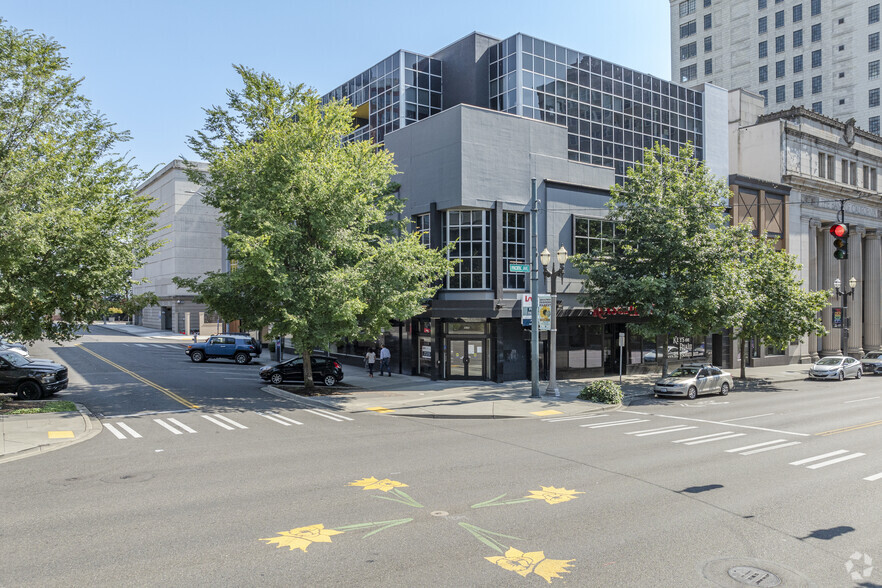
x=621 y=351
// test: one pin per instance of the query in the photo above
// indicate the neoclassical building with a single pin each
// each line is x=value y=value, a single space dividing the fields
x=794 y=172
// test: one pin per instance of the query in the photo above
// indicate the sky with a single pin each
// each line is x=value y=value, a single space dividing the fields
x=151 y=66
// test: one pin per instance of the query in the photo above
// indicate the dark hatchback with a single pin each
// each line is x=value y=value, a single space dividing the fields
x=31 y=379
x=326 y=370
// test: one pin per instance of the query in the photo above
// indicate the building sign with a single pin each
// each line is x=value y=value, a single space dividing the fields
x=614 y=311
x=837 y=317
x=545 y=309
x=526 y=310
x=426 y=351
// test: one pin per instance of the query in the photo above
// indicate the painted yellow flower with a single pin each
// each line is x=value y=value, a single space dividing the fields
x=374 y=484
x=553 y=495
x=532 y=562
x=303 y=537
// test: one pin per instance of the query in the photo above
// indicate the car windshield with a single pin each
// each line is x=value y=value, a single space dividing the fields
x=830 y=361
x=873 y=355
x=15 y=359
x=684 y=372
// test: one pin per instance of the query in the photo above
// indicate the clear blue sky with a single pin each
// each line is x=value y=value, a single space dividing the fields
x=151 y=65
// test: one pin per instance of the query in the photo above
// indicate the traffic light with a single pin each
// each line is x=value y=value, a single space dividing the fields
x=840 y=241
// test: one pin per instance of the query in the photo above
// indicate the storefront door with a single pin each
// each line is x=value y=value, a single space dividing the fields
x=466 y=358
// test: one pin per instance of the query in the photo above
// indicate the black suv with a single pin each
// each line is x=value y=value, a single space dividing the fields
x=324 y=369
x=31 y=379
x=236 y=347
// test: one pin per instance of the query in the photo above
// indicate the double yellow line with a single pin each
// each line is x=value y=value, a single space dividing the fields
x=851 y=428
x=165 y=391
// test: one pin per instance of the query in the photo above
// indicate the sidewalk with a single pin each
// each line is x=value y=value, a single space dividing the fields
x=401 y=395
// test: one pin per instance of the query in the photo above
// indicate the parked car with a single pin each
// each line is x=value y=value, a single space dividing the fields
x=239 y=348
x=31 y=379
x=694 y=379
x=15 y=348
x=324 y=369
x=871 y=363
x=674 y=352
x=835 y=367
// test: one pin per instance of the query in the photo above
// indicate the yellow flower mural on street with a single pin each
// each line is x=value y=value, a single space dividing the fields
x=532 y=562
x=553 y=495
x=374 y=484
x=302 y=537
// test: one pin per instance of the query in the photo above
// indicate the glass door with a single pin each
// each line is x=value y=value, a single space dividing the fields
x=466 y=358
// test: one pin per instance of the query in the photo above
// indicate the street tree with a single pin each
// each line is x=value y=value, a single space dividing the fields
x=132 y=304
x=670 y=250
x=72 y=227
x=310 y=220
x=767 y=299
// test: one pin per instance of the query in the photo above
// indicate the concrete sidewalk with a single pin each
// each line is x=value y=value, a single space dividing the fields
x=24 y=435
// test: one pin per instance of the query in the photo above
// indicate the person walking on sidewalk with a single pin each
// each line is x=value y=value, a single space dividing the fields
x=371 y=358
x=385 y=356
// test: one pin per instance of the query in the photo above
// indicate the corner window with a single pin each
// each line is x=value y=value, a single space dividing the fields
x=514 y=248
x=470 y=231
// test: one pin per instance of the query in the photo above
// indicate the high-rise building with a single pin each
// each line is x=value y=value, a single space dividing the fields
x=821 y=54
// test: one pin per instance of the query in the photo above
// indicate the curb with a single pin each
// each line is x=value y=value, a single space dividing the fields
x=92 y=428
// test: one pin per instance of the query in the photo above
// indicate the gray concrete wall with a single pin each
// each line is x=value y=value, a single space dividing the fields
x=465 y=69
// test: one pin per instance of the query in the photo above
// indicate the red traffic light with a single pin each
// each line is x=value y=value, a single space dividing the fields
x=839 y=230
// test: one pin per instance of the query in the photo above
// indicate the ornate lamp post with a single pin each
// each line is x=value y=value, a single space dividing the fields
x=554 y=274
x=852 y=283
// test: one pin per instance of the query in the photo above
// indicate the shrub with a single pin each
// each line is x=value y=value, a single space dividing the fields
x=605 y=391
x=271 y=347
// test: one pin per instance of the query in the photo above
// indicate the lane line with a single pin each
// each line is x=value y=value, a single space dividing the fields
x=182 y=425
x=851 y=428
x=824 y=464
x=162 y=423
x=818 y=457
x=754 y=446
x=231 y=421
x=142 y=379
x=217 y=422
x=129 y=430
x=664 y=416
x=772 y=448
x=677 y=430
x=113 y=430
x=861 y=400
x=873 y=478
x=702 y=437
x=732 y=436
x=756 y=416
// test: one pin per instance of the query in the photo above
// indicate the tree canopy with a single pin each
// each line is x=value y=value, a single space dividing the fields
x=72 y=227
x=311 y=220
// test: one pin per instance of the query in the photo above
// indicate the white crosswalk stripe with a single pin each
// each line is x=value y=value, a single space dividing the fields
x=279 y=418
x=129 y=430
x=164 y=424
x=181 y=425
x=328 y=415
x=231 y=421
x=702 y=437
x=574 y=418
x=660 y=431
x=615 y=423
x=113 y=430
x=873 y=478
x=767 y=446
x=818 y=457
x=718 y=438
x=824 y=464
x=217 y=422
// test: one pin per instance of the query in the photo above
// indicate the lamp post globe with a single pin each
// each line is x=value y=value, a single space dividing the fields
x=852 y=282
x=545 y=257
x=562 y=255
x=837 y=283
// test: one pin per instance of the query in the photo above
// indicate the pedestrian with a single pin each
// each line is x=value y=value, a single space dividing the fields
x=385 y=356
x=371 y=358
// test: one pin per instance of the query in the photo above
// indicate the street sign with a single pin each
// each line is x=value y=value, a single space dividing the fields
x=837 y=317
x=545 y=309
x=518 y=268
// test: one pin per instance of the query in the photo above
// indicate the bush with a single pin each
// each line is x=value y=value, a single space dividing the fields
x=271 y=347
x=605 y=391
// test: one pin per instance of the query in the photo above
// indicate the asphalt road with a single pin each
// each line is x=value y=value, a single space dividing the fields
x=661 y=493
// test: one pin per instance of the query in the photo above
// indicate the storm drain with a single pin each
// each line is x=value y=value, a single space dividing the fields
x=751 y=576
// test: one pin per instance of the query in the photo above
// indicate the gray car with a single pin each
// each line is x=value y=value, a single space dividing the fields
x=835 y=367
x=695 y=379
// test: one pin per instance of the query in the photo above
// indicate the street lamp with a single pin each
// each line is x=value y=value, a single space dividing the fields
x=554 y=274
x=844 y=295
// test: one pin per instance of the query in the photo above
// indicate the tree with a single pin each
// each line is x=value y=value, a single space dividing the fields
x=671 y=248
x=768 y=301
x=72 y=227
x=133 y=304
x=309 y=220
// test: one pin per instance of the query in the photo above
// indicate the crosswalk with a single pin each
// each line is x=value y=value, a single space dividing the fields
x=688 y=433
x=189 y=423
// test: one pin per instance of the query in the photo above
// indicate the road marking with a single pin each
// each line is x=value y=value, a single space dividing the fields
x=380 y=409
x=231 y=421
x=616 y=423
x=546 y=412
x=167 y=426
x=736 y=450
x=181 y=425
x=113 y=430
x=817 y=457
x=836 y=460
x=140 y=345
x=279 y=419
x=702 y=437
x=635 y=412
x=129 y=430
x=165 y=391
x=861 y=400
x=61 y=435
x=644 y=431
x=677 y=430
x=664 y=416
x=851 y=428
x=756 y=416
x=329 y=415
x=731 y=436
x=771 y=448
x=574 y=418
x=217 y=422
x=873 y=478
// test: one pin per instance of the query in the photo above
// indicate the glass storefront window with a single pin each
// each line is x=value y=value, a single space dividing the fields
x=469 y=230
x=514 y=248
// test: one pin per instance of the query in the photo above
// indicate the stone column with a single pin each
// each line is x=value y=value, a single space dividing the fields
x=873 y=291
x=831 y=342
x=854 y=267
x=814 y=225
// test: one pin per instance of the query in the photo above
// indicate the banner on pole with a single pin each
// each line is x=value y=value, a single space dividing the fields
x=545 y=310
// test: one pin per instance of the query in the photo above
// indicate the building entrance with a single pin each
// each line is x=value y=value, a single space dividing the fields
x=466 y=358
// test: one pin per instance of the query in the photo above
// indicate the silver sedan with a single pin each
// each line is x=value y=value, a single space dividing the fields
x=835 y=367
x=692 y=380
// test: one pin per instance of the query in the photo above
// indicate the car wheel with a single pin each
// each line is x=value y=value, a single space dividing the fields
x=841 y=375
x=724 y=389
x=692 y=393
x=29 y=391
x=241 y=358
x=197 y=356
x=859 y=374
x=330 y=380
x=276 y=378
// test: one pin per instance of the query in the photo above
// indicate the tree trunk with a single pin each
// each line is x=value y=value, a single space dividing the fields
x=308 y=381
x=665 y=360
x=743 y=370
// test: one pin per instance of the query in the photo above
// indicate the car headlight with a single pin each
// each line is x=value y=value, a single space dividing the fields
x=48 y=378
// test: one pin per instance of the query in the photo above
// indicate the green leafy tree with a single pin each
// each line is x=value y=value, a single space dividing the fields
x=72 y=228
x=309 y=220
x=135 y=303
x=767 y=301
x=671 y=251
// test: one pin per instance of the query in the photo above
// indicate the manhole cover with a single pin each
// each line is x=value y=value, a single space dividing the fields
x=752 y=576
